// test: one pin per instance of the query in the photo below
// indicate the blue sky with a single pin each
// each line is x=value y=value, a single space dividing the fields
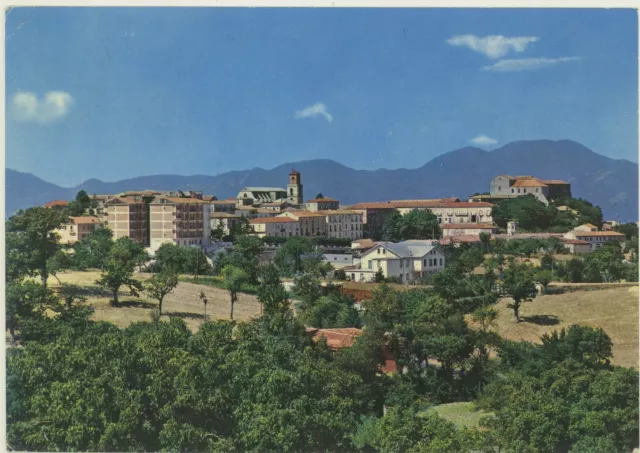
x=114 y=93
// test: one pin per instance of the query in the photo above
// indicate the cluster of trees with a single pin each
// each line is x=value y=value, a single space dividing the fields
x=75 y=384
x=416 y=224
x=532 y=215
x=82 y=205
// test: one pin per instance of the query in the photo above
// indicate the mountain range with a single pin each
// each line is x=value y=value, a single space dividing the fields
x=609 y=183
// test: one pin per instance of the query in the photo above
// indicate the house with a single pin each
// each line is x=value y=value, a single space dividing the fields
x=338 y=260
x=459 y=229
x=184 y=221
x=455 y=212
x=322 y=204
x=461 y=239
x=343 y=224
x=374 y=216
x=576 y=246
x=406 y=261
x=254 y=212
x=596 y=238
x=77 y=228
x=311 y=223
x=276 y=206
x=543 y=189
x=275 y=226
x=586 y=227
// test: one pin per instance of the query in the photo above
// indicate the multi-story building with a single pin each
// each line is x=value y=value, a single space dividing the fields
x=223 y=206
x=595 y=238
x=543 y=189
x=343 y=224
x=77 y=228
x=253 y=212
x=311 y=223
x=276 y=206
x=374 y=216
x=275 y=226
x=182 y=221
x=406 y=261
x=322 y=204
x=128 y=217
x=225 y=220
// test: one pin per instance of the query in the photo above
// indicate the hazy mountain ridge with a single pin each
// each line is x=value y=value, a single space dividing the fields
x=609 y=183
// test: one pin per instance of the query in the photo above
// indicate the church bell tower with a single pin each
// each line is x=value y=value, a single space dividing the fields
x=294 y=189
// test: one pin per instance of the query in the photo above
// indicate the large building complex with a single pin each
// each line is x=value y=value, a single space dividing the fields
x=179 y=220
x=544 y=190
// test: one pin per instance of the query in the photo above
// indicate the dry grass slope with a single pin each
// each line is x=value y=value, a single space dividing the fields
x=183 y=302
x=614 y=310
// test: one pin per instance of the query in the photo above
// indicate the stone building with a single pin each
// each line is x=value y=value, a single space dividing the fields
x=293 y=194
x=516 y=186
x=322 y=204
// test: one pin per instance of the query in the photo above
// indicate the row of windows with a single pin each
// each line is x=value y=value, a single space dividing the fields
x=432 y=262
x=524 y=190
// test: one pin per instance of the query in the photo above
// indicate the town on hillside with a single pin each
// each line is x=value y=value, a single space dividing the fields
x=357 y=238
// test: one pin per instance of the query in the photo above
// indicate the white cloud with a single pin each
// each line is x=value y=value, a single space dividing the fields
x=525 y=64
x=28 y=108
x=494 y=46
x=312 y=111
x=483 y=140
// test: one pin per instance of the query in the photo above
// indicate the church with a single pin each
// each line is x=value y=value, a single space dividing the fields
x=293 y=194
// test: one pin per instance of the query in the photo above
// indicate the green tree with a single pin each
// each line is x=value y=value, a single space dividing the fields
x=93 y=250
x=32 y=241
x=518 y=284
x=234 y=278
x=485 y=240
x=160 y=285
x=630 y=230
x=26 y=300
x=119 y=268
x=170 y=257
x=378 y=277
x=288 y=257
x=271 y=293
x=587 y=345
x=417 y=224
x=530 y=213
x=319 y=195
x=195 y=261
x=543 y=277
x=59 y=262
x=331 y=311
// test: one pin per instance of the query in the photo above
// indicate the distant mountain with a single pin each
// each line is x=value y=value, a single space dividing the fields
x=612 y=184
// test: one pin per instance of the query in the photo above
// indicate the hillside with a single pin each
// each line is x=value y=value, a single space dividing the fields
x=612 y=184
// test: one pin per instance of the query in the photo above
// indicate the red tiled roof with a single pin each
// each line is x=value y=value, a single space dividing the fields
x=597 y=233
x=554 y=181
x=78 y=220
x=575 y=242
x=529 y=183
x=467 y=226
x=322 y=200
x=272 y=220
x=336 y=338
x=422 y=204
x=56 y=203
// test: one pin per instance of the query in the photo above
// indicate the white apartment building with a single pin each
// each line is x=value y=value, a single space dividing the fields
x=179 y=220
x=275 y=226
x=407 y=260
x=343 y=224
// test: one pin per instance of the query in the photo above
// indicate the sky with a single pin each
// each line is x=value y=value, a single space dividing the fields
x=115 y=93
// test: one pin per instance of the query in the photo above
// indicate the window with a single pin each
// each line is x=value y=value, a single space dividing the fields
x=518 y=190
x=425 y=262
x=440 y=261
x=499 y=188
x=378 y=251
x=369 y=264
x=537 y=189
x=524 y=190
x=513 y=190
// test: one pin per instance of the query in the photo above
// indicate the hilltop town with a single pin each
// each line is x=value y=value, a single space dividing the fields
x=353 y=234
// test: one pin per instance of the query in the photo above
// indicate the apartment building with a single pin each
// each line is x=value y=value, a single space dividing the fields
x=407 y=260
x=343 y=224
x=77 y=228
x=374 y=216
x=322 y=204
x=126 y=216
x=275 y=226
x=311 y=223
x=179 y=220
x=225 y=220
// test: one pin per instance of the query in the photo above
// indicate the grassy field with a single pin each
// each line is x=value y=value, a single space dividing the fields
x=183 y=302
x=462 y=414
x=615 y=310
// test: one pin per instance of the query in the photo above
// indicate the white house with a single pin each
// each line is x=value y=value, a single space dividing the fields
x=407 y=260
